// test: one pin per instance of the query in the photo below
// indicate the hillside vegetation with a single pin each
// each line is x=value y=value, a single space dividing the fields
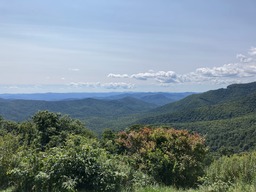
x=225 y=116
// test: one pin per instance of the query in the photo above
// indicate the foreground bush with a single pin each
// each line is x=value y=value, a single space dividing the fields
x=80 y=165
x=65 y=169
x=172 y=157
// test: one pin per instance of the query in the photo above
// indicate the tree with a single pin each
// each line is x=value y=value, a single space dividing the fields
x=54 y=128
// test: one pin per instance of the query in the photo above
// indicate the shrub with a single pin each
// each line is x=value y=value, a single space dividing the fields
x=80 y=165
x=172 y=157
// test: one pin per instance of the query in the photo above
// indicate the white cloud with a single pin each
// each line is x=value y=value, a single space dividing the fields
x=118 y=75
x=252 y=51
x=243 y=58
x=143 y=76
x=160 y=76
x=226 y=70
x=112 y=85
x=119 y=85
x=228 y=73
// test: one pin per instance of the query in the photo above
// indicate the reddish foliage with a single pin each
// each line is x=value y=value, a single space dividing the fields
x=171 y=156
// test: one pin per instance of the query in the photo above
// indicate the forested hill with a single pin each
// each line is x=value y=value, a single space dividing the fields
x=227 y=117
x=234 y=101
x=20 y=110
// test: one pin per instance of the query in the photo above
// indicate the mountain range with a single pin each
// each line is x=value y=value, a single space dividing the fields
x=97 y=110
x=157 y=98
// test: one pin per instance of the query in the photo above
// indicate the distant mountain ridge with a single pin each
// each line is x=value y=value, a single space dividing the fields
x=157 y=98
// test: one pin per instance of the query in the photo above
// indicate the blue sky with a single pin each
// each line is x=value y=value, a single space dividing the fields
x=121 y=45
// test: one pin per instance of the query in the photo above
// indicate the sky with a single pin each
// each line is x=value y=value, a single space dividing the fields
x=121 y=45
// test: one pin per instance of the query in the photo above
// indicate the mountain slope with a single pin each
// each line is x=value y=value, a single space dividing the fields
x=235 y=108
x=237 y=99
x=225 y=116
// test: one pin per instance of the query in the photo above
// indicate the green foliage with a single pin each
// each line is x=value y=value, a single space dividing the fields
x=9 y=145
x=172 y=157
x=7 y=127
x=108 y=141
x=54 y=128
x=61 y=169
x=80 y=165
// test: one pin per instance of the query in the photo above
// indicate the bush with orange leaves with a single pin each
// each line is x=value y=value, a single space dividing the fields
x=171 y=157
